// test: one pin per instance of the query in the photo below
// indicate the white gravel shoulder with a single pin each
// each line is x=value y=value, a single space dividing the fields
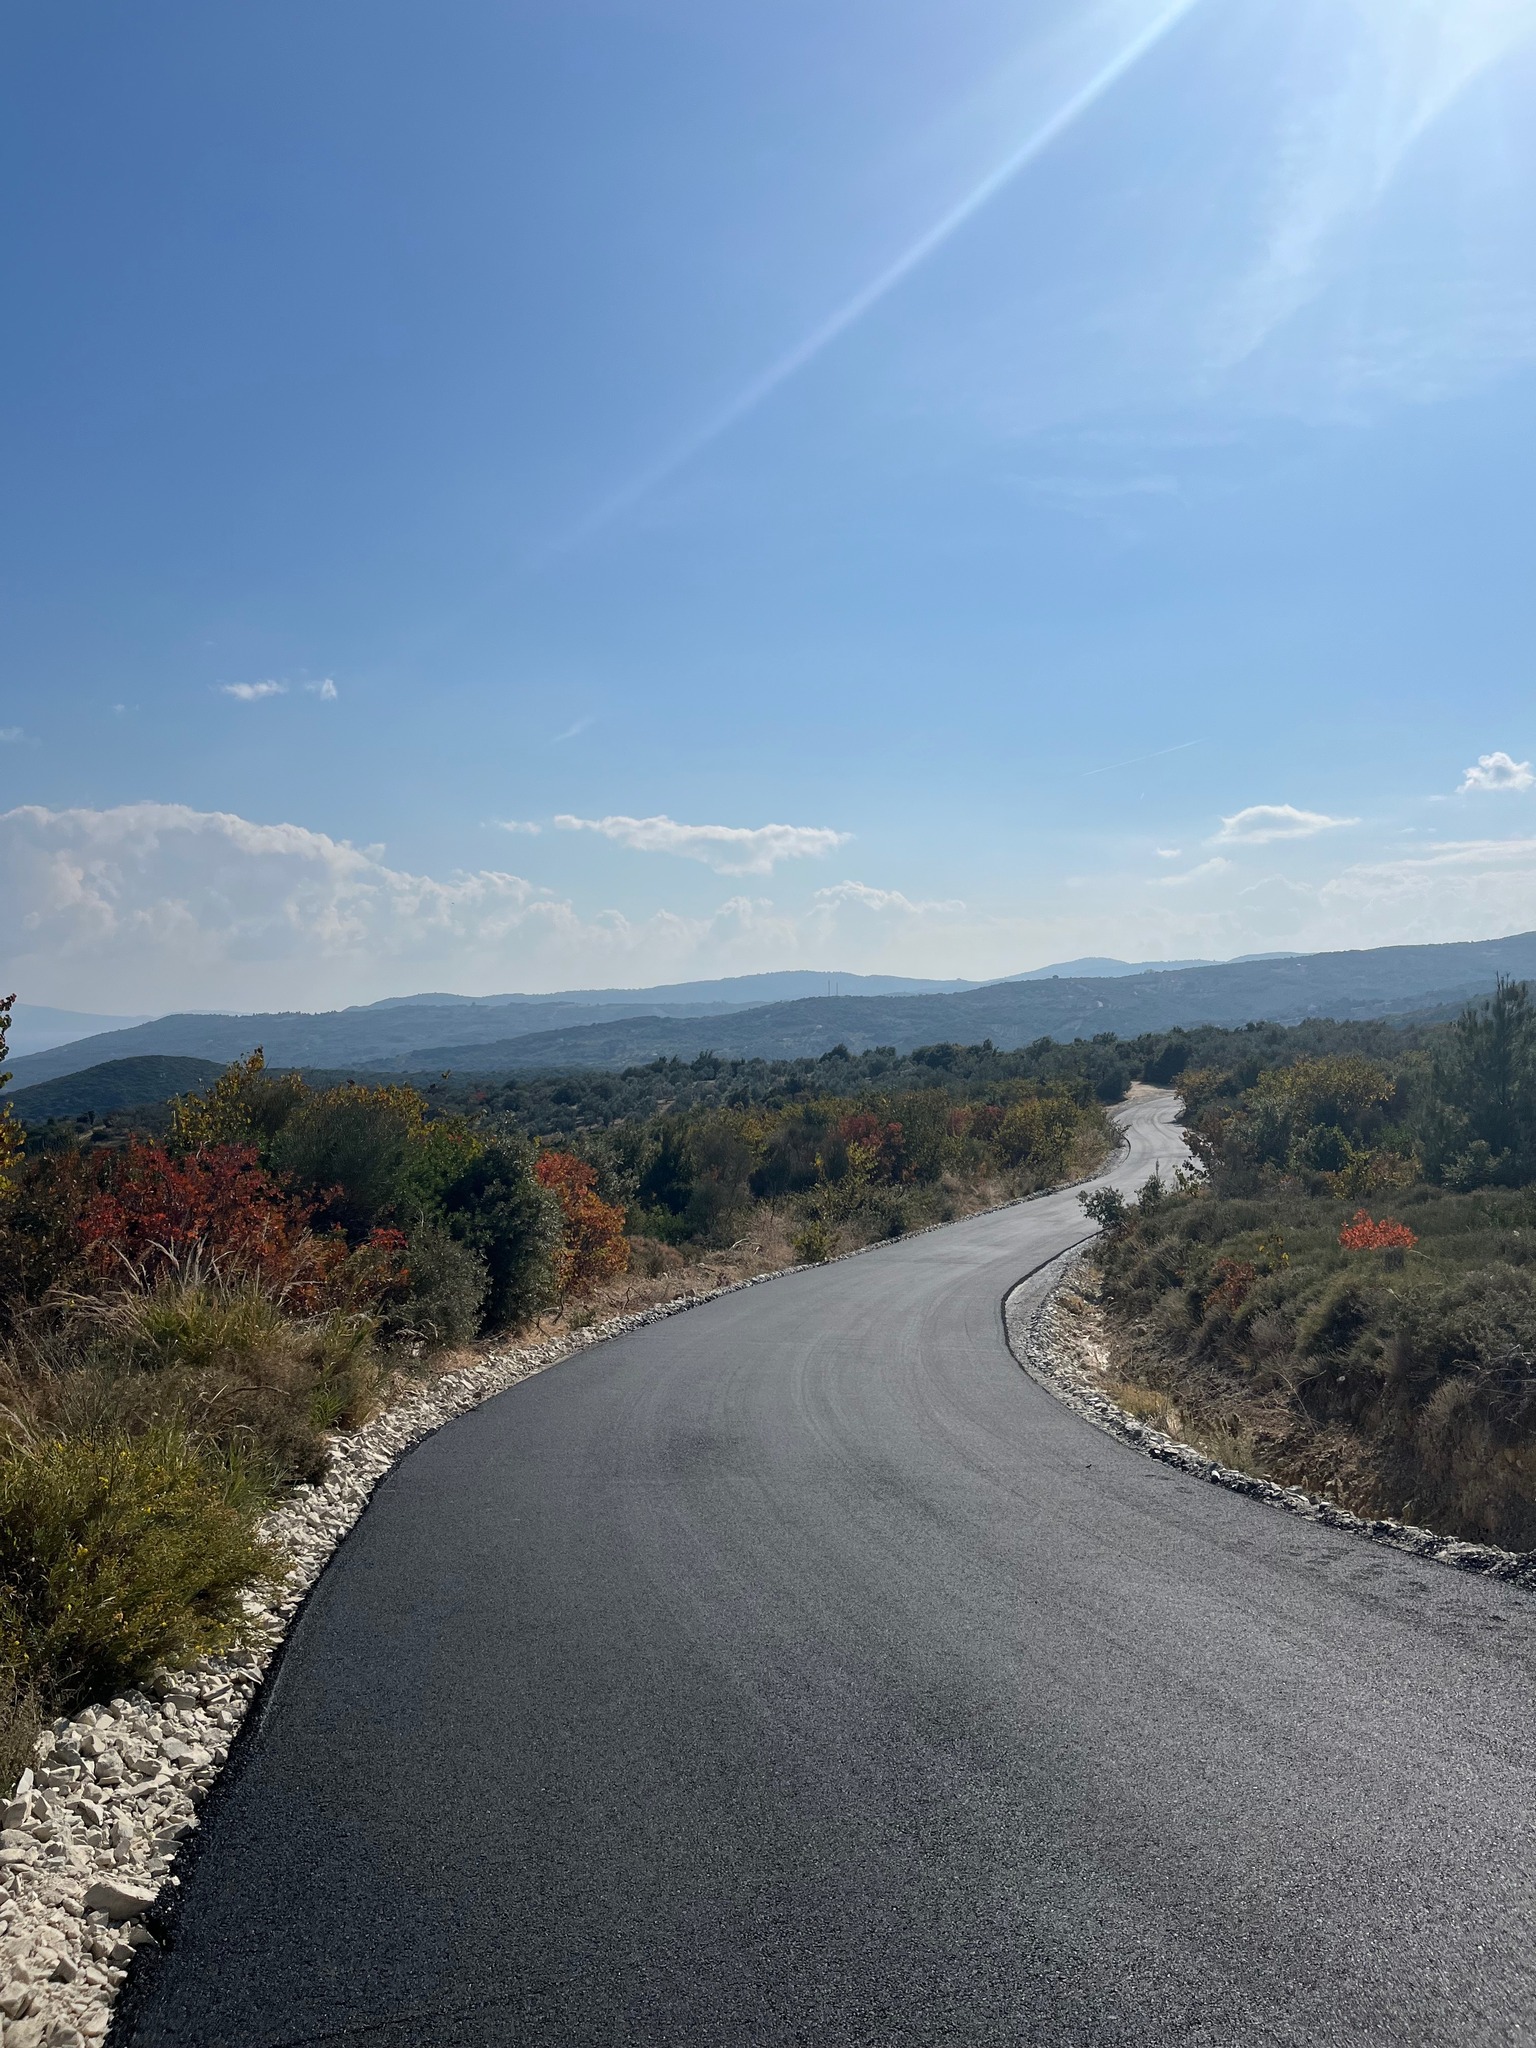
x=1053 y=1348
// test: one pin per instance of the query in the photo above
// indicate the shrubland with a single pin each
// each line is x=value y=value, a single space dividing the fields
x=1347 y=1300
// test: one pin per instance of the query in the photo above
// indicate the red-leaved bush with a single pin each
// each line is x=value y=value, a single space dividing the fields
x=1363 y=1235
x=594 y=1245
x=152 y=1213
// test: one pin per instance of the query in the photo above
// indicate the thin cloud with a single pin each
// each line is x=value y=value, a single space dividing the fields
x=571 y=731
x=1137 y=760
x=1496 y=771
x=1168 y=852
x=517 y=825
x=728 y=849
x=11 y=735
x=325 y=690
x=853 y=310
x=1216 y=865
x=252 y=693
x=1261 y=824
x=1398 y=70
x=882 y=901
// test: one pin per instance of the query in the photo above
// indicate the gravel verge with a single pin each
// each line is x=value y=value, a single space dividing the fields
x=1054 y=1349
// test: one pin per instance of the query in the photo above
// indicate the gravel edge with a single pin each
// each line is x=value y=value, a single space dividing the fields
x=1035 y=1326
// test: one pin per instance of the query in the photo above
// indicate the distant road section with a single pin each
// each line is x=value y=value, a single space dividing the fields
x=797 y=1670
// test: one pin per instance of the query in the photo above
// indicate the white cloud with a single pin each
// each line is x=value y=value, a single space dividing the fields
x=252 y=693
x=728 y=849
x=1216 y=865
x=517 y=825
x=155 y=907
x=1260 y=824
x=1496 y=771
x=1168 y=852
x=325 y=690
x=882 y=901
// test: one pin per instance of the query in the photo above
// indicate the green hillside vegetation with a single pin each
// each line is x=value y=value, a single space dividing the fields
x=113 y=1085
x=1348 y=1303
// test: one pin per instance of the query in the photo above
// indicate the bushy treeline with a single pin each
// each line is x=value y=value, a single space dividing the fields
x=843 y=1168
x=1349 y=1301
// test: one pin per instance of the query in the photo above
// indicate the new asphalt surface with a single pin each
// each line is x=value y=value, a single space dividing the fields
x=798 y=1670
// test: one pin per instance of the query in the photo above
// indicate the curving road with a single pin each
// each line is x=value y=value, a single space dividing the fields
x=798 y=1671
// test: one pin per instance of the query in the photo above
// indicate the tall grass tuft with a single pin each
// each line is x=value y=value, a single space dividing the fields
x=118 y=1554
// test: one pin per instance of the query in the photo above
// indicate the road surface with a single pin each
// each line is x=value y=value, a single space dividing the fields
x=796 y=1670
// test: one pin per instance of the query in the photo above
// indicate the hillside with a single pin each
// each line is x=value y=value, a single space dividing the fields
x=113 y=1084
x=1384 y=982
x=609 y=1028
x=393 y=1029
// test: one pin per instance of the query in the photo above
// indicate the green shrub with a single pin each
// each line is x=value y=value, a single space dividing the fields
x=447 y=1288
x=224 y=1366
x=349 y=1146
x=118 y=1554
x=497 y=1209
x=815 y=1243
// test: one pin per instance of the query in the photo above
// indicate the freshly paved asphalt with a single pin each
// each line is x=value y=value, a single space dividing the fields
x=797 y=1670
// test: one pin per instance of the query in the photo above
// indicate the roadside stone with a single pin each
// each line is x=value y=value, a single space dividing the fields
x=119 y=1898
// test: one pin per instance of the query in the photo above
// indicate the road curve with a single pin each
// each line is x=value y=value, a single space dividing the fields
x=797 y=1670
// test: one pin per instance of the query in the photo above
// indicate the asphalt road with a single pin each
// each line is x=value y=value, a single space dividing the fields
x=798 y=1670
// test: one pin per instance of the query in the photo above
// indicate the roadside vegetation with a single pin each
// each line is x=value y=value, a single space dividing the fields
x=192 y=1299
x=1347 y=1300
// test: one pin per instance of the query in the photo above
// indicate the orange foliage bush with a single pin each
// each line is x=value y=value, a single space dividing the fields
x=594 y=1246
x=881 y=1142
x=1363 y=1235
x=1234 y=1284
x=153 y=1212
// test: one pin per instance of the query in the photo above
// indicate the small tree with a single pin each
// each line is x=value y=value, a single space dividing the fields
x=594 y=1246
x=245 y=1106
x=1482 y=1125
x=11 y=1139
x=1105 y=1206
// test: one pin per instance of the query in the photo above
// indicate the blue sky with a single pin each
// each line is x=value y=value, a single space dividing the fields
x=1064 y=466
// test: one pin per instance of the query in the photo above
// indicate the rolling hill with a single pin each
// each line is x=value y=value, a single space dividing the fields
x=1382 y=982
x=113 y=1084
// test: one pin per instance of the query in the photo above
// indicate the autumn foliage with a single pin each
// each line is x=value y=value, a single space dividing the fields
x=593 y=1245
x=154 y=1215
x=1364 y=1235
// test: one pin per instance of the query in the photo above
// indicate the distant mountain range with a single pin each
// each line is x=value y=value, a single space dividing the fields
x=614 y=1028
x=45 y=1046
